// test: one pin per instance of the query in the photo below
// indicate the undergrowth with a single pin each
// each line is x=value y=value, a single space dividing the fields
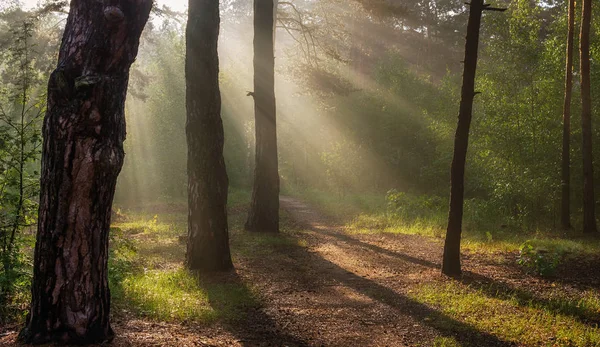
x=484 y=228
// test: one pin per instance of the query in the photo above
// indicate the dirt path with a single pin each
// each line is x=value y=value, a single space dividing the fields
x=352 y=290
x=326 y=287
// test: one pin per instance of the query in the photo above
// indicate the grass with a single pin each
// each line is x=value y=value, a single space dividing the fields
x=178 y=295
x=445 y=342
x=146 y=270
x=482 y=232
x=148 y=279
x=510 y=318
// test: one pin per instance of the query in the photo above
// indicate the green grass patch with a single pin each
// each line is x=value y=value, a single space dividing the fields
x=483 y=229
x=512 y=318
x=445 y=342
x=179 y=295
x=172 y=295
x=148 y=279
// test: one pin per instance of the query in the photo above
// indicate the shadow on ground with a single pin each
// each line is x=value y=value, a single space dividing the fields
x=325 y=304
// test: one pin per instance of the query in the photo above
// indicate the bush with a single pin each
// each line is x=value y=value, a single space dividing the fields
x=410 y=207
x=541 y=261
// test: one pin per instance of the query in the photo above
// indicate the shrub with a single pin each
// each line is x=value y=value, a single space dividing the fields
x=541 y=261
x=411 y=208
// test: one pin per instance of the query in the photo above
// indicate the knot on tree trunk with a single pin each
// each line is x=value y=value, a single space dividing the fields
x=113 y=14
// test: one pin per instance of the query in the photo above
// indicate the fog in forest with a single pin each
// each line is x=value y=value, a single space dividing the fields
x=372 y=98
x=345 y=125
x=367 y=99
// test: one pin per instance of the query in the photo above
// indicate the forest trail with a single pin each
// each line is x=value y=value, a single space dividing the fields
x=320 y=285
x=342 y=289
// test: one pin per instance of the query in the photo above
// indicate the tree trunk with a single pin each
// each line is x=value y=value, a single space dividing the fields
x=208 y=236
x=451 y=261
x=565 y=211
x=84 y=130
x=589 y=203
x=264 y=209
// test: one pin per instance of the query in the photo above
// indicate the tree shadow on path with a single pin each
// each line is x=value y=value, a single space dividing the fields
x=250 y=324
x=298 y=271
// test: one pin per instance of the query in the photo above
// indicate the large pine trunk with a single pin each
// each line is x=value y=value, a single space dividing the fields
x=589 y=203
x=264 y=209
x=565 y=210
x=451 y=261
x=208 y=236
x=84 y=130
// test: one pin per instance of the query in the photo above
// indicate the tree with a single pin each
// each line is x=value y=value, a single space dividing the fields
x=20 y=114
x=451 y=261
x=565 y=211
x=264 y=209
x=589 y=203
x=208 y=239
x=84 y=130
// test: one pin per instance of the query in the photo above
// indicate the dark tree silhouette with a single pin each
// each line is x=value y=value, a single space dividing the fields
x=589 y=203
x=565 y=211
x=84 y=130
x=208 y=238
x=264 y=209
x=451 y=261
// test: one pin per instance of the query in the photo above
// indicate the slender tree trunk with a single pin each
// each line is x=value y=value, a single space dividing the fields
x=208 y=235
x=451 y=261
x=84 y=130
x=589 y=203
x=264 y=209
x=18 y=218
x=565 y=210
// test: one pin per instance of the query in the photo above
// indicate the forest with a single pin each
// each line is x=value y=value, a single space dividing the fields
x=299 y=173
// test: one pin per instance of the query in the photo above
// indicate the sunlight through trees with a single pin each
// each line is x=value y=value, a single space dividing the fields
x=294 y=173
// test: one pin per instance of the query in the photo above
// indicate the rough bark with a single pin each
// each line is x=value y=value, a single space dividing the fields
x=84 y=130
x=208 y=235
x=451 y=262
x=264 y=209
x=589 y=203
x=565 y=210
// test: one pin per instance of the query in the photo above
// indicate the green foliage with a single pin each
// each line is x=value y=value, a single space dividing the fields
x=409 y=207
x=21 y=110
x=15 y=287
x=344 y=165
x=403 y=120
x=539 y=260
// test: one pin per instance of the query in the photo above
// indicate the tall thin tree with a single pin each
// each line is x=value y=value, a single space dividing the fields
x=451 y=261
x=208 y=235
x=589 y=202
x=84 y=130
x=264 y=208
x=565 y=211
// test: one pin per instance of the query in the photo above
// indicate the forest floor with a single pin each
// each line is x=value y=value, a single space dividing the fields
x=318 y=284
